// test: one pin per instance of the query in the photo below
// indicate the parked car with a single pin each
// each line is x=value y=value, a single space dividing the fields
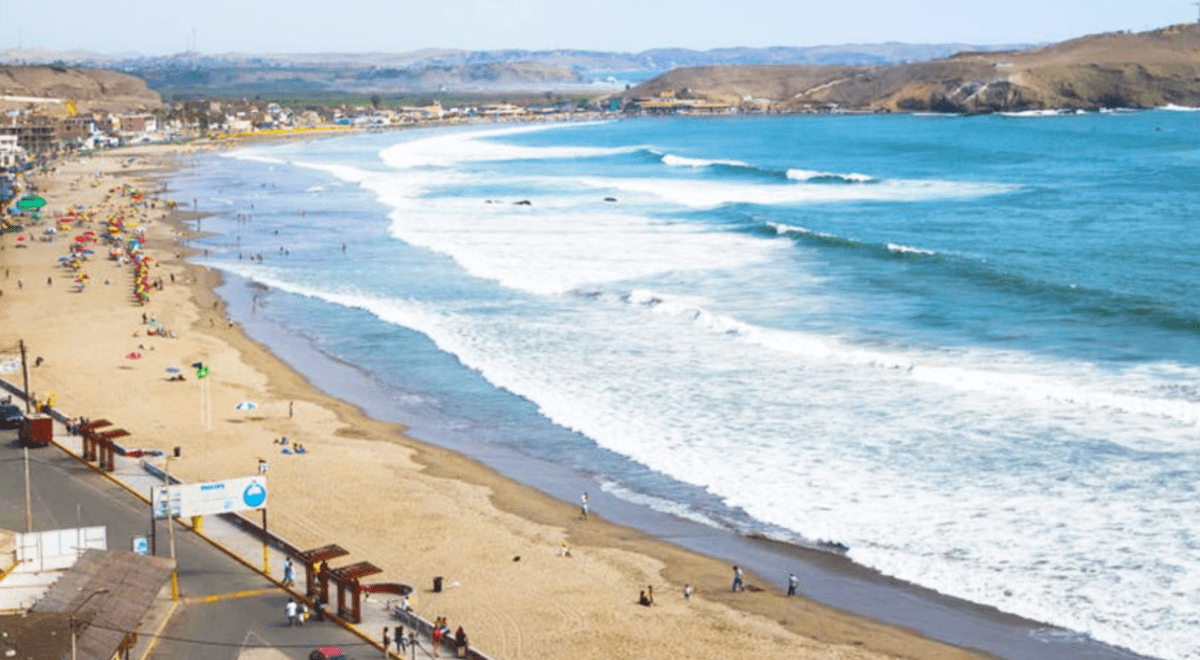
x=11 y=417
x=327 y=653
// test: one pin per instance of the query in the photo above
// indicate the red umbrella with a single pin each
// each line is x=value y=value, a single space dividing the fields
x=134 y=356
x=81 y=239
x=20 y=238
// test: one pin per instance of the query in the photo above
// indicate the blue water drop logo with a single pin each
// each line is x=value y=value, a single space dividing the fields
x=254 y=495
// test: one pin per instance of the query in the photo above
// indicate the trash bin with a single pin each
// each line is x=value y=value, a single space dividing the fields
x=437 y=584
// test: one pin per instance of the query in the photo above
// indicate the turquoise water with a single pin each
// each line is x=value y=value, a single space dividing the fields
x=965 y=348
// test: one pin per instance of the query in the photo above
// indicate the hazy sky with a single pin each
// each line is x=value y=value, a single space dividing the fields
x=166 y=26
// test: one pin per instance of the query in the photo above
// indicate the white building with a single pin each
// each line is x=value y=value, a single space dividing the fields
x=10 y=152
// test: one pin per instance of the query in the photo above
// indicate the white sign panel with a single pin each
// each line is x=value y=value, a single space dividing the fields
x=186 y=500
x=59 y=548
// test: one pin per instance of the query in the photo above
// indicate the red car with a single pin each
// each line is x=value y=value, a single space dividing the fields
x=327 y=653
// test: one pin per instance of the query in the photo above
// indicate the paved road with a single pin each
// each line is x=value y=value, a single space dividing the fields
x=247 y=611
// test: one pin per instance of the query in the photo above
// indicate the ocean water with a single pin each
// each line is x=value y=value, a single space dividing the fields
x=966 y=350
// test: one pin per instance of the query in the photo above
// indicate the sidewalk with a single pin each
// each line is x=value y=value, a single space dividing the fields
x=241 y=538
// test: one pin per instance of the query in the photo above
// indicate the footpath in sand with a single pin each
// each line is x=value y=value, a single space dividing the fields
x=413 y=510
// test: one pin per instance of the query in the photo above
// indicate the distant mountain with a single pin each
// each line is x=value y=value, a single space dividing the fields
x=658 y=59
x=459 y=70
x=1112 y=70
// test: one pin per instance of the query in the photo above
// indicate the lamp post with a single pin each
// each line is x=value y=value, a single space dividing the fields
x=77 y=608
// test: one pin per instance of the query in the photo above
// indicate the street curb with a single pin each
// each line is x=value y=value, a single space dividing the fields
x=158 y=631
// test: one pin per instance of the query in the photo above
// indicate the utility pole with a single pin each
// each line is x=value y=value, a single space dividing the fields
x=25 y=373
x=171 y=528
x=28 y=499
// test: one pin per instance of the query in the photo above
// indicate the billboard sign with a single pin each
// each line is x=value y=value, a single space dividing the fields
x=186 y=500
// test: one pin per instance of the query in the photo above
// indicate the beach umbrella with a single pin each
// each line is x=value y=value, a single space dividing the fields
x=50 y=230
x=30 y=203
x=64 y=259
x=87 y=252
x=21 y=238
x=81 y=239
x=172 y=370
x=246 y=405
x=134 y=356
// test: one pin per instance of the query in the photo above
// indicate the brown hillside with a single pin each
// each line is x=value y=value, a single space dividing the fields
x=1149 y=69
x=89 y=89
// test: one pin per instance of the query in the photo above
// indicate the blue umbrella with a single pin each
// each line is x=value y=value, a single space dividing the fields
x=172 y=370
x=246 y=405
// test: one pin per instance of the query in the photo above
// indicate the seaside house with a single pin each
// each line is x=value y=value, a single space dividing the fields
x=11 y=153
x=36 y=134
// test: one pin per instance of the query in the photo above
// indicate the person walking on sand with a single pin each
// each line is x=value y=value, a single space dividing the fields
x=291 y=409
x=460 y=642
x=738 y=584
x=290 y=611
x=583 y=504
x=793 y=583
x=687 y=592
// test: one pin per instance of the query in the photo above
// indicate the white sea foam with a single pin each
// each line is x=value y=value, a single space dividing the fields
x=907 y=249
x=1179 y=108
x=1062 y=112
x=664 y=505
x=449 y=149
x=708 y=194
x=683 y=161
x=810 y=175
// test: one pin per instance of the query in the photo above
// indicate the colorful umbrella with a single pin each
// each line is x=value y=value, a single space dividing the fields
x=134 y=356
x=30 y=203
x=246 y=405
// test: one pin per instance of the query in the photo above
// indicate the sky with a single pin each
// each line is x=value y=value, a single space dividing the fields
x=160 y=27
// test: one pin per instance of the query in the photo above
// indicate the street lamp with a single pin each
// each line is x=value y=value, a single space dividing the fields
x=76 y=609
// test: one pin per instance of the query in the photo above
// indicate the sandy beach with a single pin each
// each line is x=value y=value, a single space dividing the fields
x=415 y=510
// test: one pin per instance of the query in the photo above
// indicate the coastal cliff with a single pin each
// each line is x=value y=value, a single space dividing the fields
x=1114 y=70
x=87 y=89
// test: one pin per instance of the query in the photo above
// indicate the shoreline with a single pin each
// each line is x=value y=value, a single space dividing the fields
x=827 y=576
x=610 y=551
